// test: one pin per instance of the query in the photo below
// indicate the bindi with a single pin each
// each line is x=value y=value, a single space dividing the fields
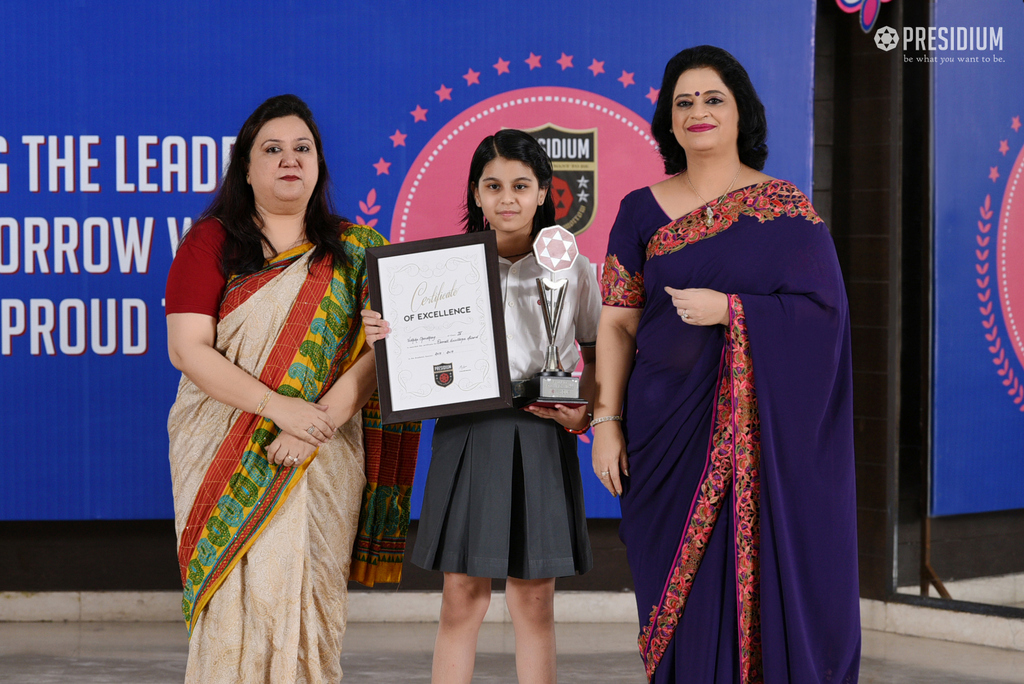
x=697 y=94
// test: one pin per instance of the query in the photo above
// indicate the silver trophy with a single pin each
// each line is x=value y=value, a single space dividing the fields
x=556 y=250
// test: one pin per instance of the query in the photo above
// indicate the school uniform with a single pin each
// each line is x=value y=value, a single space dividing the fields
x=504 y=496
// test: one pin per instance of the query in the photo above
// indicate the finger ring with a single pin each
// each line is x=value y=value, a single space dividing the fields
x=310 y=430
x=684 y=314
x=605 y=472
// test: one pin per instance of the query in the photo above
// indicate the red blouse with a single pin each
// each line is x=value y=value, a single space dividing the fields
x=196 y=281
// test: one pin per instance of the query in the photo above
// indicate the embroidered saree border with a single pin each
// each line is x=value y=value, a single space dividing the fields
x=763 y=201
x=619 y=287
x=746 y=495
x=732 y=468
x=704 y=511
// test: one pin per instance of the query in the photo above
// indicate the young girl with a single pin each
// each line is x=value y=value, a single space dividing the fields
x=503 y=496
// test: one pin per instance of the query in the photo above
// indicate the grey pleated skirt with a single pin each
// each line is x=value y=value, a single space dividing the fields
x=503 y=498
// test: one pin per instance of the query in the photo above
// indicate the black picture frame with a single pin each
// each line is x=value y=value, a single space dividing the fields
x=498 y=350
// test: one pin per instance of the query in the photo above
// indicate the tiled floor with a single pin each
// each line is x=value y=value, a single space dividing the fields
x=152 y=653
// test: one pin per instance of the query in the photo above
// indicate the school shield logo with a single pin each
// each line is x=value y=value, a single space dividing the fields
x=573 y=155
x=443 y=374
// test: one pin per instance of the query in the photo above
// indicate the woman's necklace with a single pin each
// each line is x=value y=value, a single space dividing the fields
x=709 y=217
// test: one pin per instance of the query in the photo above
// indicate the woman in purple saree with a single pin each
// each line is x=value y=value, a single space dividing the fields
x=725 y=339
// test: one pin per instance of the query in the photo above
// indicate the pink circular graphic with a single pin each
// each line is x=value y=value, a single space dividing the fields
x=578 y=124
x=1010 y=258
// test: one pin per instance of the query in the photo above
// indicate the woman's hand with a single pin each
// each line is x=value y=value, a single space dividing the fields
x=289 y=451
x=700 y=306
x=375 y=326
x=572 y=417
x=609 y=456
x=301 y=419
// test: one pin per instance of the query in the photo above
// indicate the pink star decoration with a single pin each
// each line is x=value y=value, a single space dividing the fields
x=501 y=66
x=472 y=77
x=652 y=95
x=1016 y=124
x=533 y=61
x=565 y=60
x=626 y=79
x=419 y=114
x=382 y=167
x=596 y=67
x=443 y=94
x=555 y=248
x=1004 y=146
x=993 y=173
x=398 y=138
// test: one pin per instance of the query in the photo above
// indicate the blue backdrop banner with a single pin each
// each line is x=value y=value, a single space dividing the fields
x=977 y=52
x=116 y=120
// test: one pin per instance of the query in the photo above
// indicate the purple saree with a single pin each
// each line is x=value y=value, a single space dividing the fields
x=739 y=515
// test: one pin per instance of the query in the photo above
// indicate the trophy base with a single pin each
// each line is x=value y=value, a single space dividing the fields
x=547 y=391
x=548 y=402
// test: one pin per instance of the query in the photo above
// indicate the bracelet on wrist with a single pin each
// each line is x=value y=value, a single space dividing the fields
x=263 y=403
x=605 y=419
x=583 y=430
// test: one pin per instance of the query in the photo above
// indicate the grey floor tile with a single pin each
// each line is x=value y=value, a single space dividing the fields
x=155 y=653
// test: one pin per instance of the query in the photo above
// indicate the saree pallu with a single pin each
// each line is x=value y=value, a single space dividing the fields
x=739 y=515
x=265 y=551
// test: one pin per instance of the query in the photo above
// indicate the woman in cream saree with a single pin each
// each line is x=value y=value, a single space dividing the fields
x=266 y=541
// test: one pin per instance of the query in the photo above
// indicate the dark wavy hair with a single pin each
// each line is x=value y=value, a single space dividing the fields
x=515 y=145
x=753 y=133
x=235 y=206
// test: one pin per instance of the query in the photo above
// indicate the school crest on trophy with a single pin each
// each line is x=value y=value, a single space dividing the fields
x=573 y=155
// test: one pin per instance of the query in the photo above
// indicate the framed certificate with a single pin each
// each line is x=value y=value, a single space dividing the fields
x=446 y=353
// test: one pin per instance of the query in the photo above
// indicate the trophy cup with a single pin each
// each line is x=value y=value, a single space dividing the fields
x=555 y=249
